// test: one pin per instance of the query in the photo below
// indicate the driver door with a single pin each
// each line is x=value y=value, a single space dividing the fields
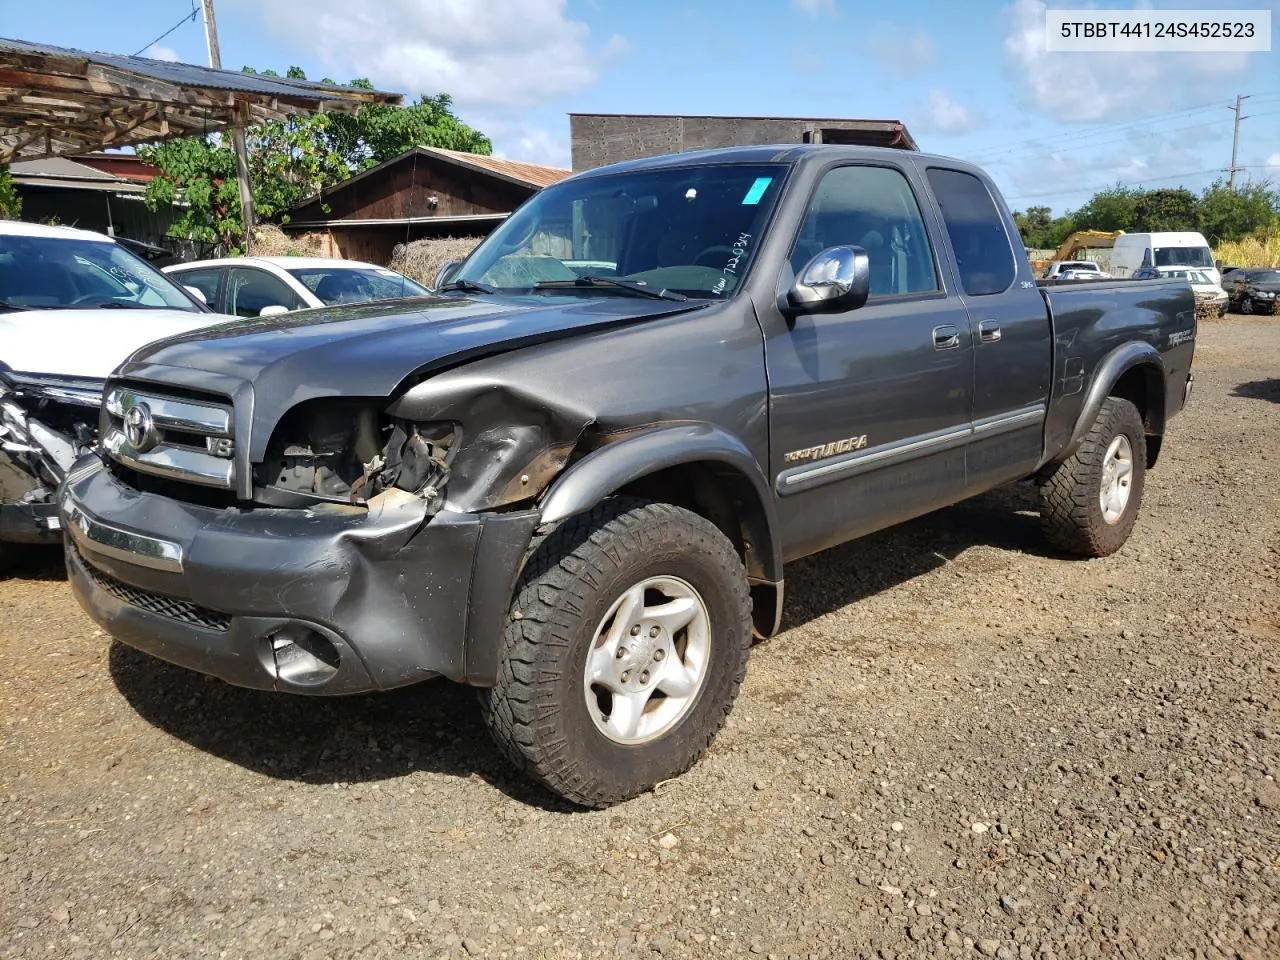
x=870 y=408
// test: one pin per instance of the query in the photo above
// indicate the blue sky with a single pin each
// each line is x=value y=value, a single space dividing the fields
x=971 y=80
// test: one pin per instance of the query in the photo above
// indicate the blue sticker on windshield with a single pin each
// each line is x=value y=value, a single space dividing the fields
x=757 y=191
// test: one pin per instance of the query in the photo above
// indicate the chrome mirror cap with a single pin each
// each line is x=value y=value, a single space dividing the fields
x=838 y=278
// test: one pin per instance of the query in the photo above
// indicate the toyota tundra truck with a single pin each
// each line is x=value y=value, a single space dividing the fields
x=573 y=476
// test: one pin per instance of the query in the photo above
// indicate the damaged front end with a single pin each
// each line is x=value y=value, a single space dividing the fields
x=46 y=424
x=349 y=452
x=478 y=446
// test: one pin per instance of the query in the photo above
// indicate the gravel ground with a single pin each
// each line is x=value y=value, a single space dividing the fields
x=960 y=746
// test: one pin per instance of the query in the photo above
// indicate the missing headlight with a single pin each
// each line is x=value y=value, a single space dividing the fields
x=415 y=459
x=319 y=451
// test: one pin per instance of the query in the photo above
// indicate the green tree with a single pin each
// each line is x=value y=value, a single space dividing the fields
x=10 y=202
x=1111 y=209
x=378 y=132
x=1034 y=225
x=1225 y=214
x=292 y=159
x=1167 y=209
x=202 y=175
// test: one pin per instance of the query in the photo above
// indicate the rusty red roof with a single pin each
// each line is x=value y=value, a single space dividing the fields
x=531 y=174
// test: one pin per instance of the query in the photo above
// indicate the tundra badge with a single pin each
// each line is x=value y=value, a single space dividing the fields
x=846 y=445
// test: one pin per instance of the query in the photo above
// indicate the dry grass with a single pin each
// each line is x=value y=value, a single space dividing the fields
x=421 y=259
x=1256 y=251
x=270 y=241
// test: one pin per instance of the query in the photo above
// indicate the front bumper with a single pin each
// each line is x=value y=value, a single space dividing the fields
x=393 y=595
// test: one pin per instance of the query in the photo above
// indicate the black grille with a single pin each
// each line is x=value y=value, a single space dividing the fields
x=184 y=611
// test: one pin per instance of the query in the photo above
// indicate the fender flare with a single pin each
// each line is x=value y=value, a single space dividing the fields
x=614 y=466
x=1113 y=366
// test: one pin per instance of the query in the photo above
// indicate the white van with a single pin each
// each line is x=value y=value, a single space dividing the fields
x=1135 y=250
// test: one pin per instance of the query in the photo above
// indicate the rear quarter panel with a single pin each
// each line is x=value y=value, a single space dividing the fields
x=1092 y=320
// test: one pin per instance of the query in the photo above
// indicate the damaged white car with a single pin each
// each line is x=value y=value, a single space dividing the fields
x=73 y=305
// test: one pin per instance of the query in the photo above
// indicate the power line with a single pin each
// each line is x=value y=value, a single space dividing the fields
x=1010 y=158
x=1103 y=129
x=1108 y=186
x=189 y=18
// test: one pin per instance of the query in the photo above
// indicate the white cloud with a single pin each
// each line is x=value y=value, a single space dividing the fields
x=901 y=52
x=814 y=7
x=156 y=52
x=1273 y=162
x=944 y=115
x=486 y=53
x=532 y=145
x=1084 y=87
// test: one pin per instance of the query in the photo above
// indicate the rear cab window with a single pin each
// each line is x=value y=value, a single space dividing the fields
x=984 y=255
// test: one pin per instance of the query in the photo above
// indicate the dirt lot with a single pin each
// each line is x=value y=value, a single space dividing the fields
x=960 y=746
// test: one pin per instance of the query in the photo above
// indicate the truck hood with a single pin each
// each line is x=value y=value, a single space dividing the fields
x=87 y=343
x=368 y=350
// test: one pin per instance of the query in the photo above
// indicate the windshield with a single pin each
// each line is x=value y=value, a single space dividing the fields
x=688 y=230
x=1184 y=257
x=1265 y=276
x=70 y=273
x=356 y=285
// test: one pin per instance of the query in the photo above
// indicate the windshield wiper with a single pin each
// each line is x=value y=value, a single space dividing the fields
x=467 y=286
x=111 y=305
x=633 y=286
x=19 y=307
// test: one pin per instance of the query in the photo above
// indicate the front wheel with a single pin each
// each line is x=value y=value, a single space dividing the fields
x=625 y=647
x=1246 y=305
x=1088 y=506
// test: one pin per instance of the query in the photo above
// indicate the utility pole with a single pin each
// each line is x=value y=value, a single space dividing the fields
x=240 y=121
x=1235 y=138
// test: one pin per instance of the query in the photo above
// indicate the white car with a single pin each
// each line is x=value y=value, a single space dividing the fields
x=73 y=306
x=1075 y=270
x=1202 y=283
x=262 y=286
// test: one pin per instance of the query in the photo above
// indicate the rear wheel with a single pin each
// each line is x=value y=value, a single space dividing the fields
x=626 y=645
x=1088 y=506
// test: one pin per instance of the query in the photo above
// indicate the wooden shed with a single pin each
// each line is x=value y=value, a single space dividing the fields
x=426 y=192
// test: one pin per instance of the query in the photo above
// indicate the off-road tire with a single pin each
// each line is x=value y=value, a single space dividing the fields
x=537 y=711
x=1070 y=514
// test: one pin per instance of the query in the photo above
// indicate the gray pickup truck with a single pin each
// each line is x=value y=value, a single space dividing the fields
x=572 y=478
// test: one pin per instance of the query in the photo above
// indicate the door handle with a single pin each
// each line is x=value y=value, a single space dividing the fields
x=989 y=331
x=946 y=337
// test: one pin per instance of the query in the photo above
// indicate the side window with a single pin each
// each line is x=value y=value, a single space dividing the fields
x=977 y=233
x=206 y=281
x=872 y=208
x=249 y=290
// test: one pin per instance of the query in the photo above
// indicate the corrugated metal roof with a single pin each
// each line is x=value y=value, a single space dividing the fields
x=188 y=74
x=530 y=174
x=57 y=167
x=57 y=100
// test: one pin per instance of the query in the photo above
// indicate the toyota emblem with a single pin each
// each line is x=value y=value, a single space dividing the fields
x=139 y=428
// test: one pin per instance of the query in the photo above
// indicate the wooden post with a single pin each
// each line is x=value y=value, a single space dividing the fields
x=240 y=121
x=242 y=176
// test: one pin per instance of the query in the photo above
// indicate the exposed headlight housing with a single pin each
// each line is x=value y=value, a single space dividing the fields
x=347 y=451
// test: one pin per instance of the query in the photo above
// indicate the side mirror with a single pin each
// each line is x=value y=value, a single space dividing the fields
x=272 y=310
x=837 y=279
x=444 y=273
x=197 y=293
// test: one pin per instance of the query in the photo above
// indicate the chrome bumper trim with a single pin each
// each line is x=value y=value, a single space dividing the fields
x=93 y=536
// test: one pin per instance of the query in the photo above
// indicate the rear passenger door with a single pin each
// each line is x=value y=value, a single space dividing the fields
x=1009 y=320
